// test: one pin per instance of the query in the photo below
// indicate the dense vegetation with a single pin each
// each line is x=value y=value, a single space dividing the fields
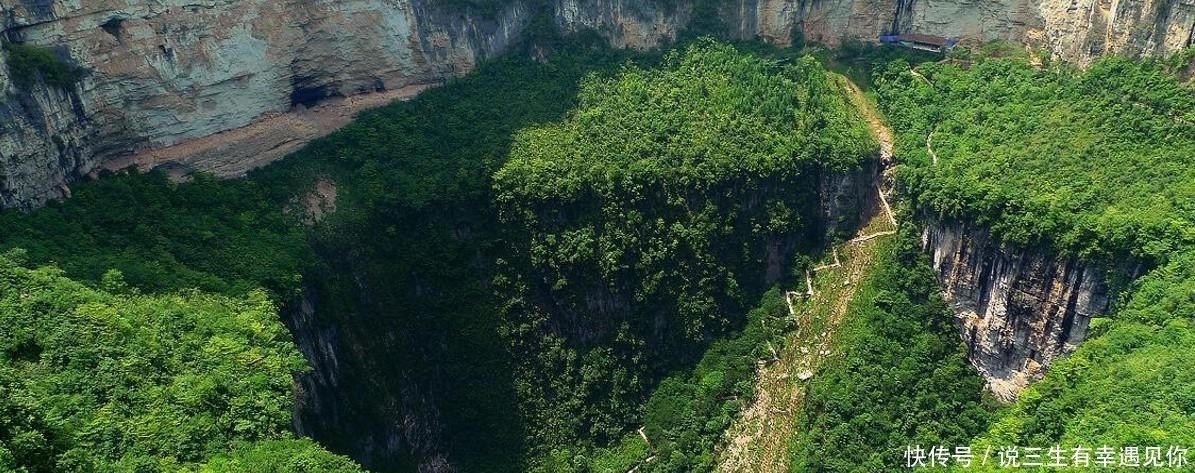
x=902 y=379
x=539 y=260
x=111 y=380
x=407 y=253
x=415 y=216
x=1095 y=164
x=1099 y=164
x=688 y=412
x=28 y=63
x=213 y=236
x=646 y=221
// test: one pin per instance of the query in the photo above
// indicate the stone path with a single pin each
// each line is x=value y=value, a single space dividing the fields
x=758 y=441
x=930 y=148
x=234 y=152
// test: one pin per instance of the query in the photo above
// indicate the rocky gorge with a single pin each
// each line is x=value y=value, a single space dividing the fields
x=225 y=86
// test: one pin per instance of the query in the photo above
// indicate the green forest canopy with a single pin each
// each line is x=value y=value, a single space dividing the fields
x=708 y=115
x=1097 y=163
x=413 y=213
x=660 y=196
x=112 y=380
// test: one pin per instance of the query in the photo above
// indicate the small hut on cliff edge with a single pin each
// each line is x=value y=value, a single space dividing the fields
x=923 y=42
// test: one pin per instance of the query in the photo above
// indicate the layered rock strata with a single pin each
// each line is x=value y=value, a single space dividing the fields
x=1017 y=309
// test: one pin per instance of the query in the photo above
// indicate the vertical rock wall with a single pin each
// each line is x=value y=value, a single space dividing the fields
x=354 y=403
x=1017 y=309
x=46 y=140
x=163 y=73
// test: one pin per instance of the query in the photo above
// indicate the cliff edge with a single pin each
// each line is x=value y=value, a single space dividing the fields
x=227 y=85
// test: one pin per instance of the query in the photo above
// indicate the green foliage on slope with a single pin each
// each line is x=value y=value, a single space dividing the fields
x=643 y=224
x=279 y=456
x=660 y=195
x=689 y=411
x=1097 y=163
x=99 y=381
x=400 y=269
x=710 y=115
x=411 y=247
x=214 y=236
x=902 y=377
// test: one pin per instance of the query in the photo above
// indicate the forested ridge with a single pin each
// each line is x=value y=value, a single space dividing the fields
x=113 y=380
x=646 y=224
x=1095 y=163
x=414 y=211
x=412 y=181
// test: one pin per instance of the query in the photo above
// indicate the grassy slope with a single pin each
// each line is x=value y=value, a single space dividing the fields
x=902 y=377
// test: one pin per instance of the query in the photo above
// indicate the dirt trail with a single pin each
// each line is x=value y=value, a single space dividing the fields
x=929 y=140
x=882 y=133
x=758 y=441
x=234 y=152
x=919 y=76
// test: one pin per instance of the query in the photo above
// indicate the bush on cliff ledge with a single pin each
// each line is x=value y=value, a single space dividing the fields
x=27 y=63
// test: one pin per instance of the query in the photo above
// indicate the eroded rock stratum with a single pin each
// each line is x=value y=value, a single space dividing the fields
x=1017 y=309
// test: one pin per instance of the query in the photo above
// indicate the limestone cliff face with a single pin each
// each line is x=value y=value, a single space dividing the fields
x=1017 y=309
x=1074 y=30
x=633 y=24
x=847 y=199
x=46 y=141
x=165 y=72
x=169 y=79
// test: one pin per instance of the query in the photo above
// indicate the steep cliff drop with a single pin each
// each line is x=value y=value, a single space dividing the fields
x=213 y=86
x=1018 y=310
x=759 y=440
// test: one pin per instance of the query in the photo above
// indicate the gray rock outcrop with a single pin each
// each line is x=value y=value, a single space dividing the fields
x=1017 y=309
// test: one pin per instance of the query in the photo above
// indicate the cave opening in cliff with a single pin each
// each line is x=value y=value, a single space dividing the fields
x=307 y=92
x=114 y=26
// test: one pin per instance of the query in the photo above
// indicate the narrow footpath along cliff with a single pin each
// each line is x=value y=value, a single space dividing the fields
x=759 y=440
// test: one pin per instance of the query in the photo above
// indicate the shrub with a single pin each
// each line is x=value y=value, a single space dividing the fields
x=28 y=63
